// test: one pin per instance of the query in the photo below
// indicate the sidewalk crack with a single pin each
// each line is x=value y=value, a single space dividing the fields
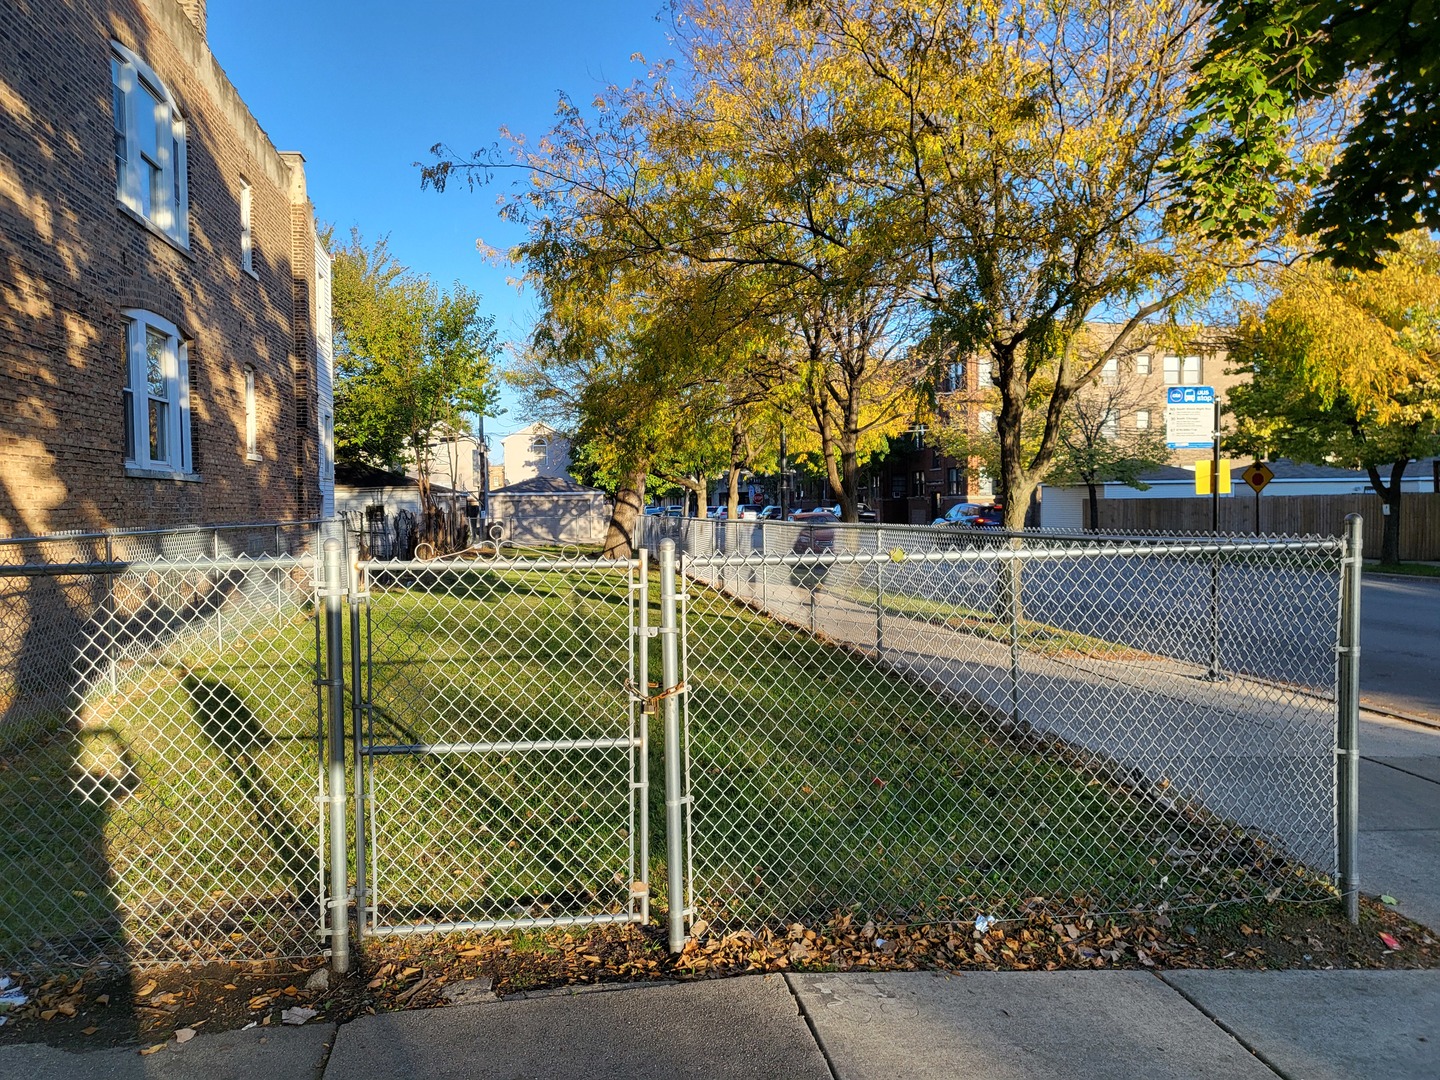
x=1255 y=1053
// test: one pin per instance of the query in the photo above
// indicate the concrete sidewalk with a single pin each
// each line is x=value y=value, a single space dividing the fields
x=1105 y=1025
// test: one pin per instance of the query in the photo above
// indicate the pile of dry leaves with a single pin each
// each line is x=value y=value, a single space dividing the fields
x=110 y=1008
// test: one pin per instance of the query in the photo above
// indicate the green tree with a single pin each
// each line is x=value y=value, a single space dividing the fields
x=1015 y=149
x=1100 y=443
x=1347 y=371
x=413 y=363
x=1266 y=67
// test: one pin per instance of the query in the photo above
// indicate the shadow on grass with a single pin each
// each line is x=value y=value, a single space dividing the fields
x=236 y=734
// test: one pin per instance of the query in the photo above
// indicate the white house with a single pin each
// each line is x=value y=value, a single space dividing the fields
x=536 y=450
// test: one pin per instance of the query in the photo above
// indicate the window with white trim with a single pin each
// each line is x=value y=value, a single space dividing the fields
x=954 y=377
x=250 y=419
x=150 y=162
x=1110 y=426
x=1142 y=364
x=1110 y=373
x=247 y=235
x=1142 y=419
x=327 y=445
x=1190 y=371
x=1172 y=370
x=986 y=421
x=157 y=394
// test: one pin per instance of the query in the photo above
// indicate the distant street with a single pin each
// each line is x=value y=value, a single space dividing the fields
x=1400 y=644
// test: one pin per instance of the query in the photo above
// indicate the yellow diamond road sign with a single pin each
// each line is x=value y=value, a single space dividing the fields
x=1257 y=476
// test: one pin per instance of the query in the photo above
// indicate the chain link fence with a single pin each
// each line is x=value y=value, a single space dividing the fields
x=909 y=725
x=924 y=724
x=158 y=746
x=504 y=752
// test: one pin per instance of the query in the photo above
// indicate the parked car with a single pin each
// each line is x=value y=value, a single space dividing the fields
x=974 y=516
x=867 y=515
x=815 y=537
x=770 y=513
x=743 y=512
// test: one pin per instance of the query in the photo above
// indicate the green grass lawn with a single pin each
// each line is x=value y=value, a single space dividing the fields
x=1407 y=569
x=179 y=815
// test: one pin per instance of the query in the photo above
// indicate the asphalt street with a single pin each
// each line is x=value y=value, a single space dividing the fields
x=1400 y=645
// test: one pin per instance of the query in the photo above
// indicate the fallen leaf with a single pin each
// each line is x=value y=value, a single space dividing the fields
x=147 y=989
x=296 y=1015
x=1390 y=942
x=1384 y=899
x=184 y=1035
x=103 y=999
x=231 y=986
x=152 y=1049
x=90 y=1030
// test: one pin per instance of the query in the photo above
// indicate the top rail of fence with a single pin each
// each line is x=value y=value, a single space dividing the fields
x=181 y=530
x=895 y=543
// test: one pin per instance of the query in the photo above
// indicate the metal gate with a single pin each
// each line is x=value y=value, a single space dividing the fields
x=499 y=743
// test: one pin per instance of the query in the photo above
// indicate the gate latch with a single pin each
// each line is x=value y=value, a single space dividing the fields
x=650 y=703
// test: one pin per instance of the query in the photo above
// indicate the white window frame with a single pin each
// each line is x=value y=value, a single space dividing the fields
x=1172 y=370
x=1110 y=372
x=1142 y=364
x=247 y=229
x=175 y=373
x=1110 y=425
x=133 y=82
x=1190 y=371
x=985 y=420
x=1142 y=419
x=327 y=445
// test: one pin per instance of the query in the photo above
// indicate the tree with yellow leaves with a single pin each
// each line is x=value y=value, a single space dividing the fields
x=1347 y=370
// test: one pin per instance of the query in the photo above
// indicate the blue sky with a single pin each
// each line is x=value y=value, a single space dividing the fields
x=364 y=89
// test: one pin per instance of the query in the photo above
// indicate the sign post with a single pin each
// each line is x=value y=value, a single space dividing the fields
x=1257 y=476
x=1192 y=422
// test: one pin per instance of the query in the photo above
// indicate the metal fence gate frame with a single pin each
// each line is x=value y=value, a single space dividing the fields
x=623 y=743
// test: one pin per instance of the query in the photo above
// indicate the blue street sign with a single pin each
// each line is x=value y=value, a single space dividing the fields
x=1190 y=395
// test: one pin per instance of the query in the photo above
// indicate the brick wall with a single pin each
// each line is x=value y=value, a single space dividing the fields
x=71 y=259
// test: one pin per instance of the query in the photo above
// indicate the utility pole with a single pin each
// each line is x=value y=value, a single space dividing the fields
x=784 y=476
x=484 y=477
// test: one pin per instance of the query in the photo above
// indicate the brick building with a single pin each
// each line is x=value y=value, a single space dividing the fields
x=164 y=302
x=917 y=481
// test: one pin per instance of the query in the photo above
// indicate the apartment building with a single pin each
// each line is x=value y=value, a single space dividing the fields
x=164 y=301
x=918 y=481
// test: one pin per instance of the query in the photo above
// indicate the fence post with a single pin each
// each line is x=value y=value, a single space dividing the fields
x=335 y=739
x=879 y=594
x=357 y=716
x=1347 y=698
x=675 y=798
x=642 y=691
x=1012 y=575
x=762 y=569
x=112 y=619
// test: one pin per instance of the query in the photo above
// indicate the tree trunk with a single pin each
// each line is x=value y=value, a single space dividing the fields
x=696 y=488
x=621 y=536
x=737 y=462
x=1390 y=496
x=1093 y=490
